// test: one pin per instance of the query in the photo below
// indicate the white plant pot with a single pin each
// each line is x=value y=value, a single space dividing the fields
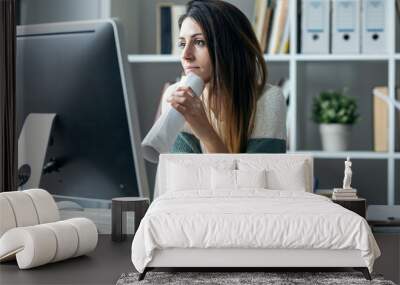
x=335 y=137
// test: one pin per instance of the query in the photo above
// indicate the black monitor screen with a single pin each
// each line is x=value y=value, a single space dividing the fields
x=76 y=75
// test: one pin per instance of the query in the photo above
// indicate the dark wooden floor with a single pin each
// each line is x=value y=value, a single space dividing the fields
x=103 y=266
x=111 y=259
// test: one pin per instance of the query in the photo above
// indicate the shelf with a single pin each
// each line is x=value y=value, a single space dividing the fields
x=341 y=57
x=277 y=57
x=156 y=58
x=148 y=58
x=344 y=154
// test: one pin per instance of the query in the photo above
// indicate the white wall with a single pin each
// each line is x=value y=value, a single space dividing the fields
x=47 y=11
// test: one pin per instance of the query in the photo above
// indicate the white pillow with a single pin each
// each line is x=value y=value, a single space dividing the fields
x=236 y=179
x=282 y=175
x=223 y=179
x=293 y=179
x=251 y=178
x=188 y=176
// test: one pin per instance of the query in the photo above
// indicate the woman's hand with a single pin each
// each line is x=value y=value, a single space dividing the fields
x=192 y=109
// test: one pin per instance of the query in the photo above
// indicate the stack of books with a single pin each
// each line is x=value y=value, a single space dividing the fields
x=344 y=194
x=381 y=106
x=167 y=27
x=381 y=119
x=271 y=25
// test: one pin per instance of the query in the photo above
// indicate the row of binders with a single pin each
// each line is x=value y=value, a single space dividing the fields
x=344 y=26
x=271 y=24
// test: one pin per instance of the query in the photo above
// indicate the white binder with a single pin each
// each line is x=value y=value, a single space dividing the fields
x=374 y=32
x=346 y=26
x=315 y=26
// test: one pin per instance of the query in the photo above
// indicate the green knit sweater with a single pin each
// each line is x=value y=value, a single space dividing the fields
x=269 y=134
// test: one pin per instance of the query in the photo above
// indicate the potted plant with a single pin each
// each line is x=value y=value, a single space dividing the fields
x=335 y=113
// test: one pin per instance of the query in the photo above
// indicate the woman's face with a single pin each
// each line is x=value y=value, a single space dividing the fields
x=194 y=52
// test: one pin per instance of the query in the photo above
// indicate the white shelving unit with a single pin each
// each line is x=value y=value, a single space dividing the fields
x=293 y=61
x=309 y=74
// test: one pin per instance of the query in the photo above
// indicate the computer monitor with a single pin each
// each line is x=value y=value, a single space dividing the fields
x=79 y=71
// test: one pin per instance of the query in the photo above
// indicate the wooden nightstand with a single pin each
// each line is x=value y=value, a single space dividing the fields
x=123 y=204
x=358 y=205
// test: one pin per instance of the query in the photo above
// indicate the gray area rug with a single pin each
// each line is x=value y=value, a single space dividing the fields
x=225 y=278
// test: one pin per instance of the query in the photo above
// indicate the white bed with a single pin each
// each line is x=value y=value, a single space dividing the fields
x=207 y=214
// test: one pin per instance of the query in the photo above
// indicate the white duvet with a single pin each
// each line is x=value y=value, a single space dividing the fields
x=253 y=218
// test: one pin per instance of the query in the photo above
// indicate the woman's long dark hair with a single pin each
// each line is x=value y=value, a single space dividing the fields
x=238 y=69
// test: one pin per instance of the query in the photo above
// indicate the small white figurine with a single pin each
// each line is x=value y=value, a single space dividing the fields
x=347 y=174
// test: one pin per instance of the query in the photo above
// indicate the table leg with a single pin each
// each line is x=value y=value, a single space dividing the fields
x=116 y=224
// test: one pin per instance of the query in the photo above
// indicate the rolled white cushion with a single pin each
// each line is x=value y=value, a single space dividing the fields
x=40 y=244
x=7 y=218
x=45 y=205
x=87 y=234
x=23 y=208
x=33 y=246
x=67 y=240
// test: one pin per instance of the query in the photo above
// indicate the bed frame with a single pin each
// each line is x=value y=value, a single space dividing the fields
x=243 y=259
x=246 y=258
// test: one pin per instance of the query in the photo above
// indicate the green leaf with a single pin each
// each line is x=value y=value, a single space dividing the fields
x=334 y=107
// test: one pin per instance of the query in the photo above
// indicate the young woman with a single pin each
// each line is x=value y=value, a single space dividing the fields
x=237 y=112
